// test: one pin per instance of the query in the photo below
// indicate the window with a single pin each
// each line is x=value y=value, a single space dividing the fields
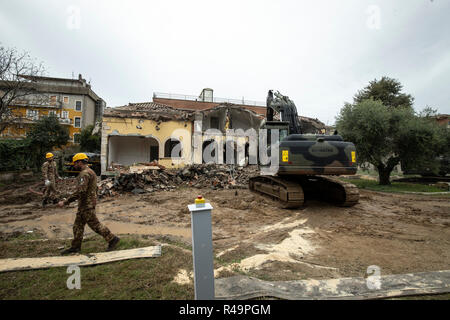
x=53 y=99
x=214 y=123
x=172 y=149
x=64 y=114
x=52 y=112
x=77 y=123
x=66 y=100
x=76 y=138
x=78 y=105
x=33 y=114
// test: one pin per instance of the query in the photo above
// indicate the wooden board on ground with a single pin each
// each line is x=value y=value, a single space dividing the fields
x=16 y=264
x=242 y=287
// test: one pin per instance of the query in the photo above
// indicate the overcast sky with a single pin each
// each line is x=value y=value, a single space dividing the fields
x=319 y=53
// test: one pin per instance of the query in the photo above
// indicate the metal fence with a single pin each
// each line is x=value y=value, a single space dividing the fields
x=217 y=100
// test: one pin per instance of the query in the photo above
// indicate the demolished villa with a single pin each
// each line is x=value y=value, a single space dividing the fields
x=174 y=133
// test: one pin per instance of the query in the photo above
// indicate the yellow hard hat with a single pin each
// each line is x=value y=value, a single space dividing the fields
x=49 y=155
x=79 y=156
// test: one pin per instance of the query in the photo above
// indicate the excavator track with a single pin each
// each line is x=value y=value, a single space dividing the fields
x=288 y=193
x=343 y=194
x=292 y=191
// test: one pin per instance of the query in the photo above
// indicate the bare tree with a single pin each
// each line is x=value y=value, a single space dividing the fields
x=17 y=76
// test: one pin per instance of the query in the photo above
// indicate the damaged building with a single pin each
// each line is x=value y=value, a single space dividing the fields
x=144 y=132
x=221 y=134
x=177 y=130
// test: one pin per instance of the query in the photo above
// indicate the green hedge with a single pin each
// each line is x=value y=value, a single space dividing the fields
x=18 y=155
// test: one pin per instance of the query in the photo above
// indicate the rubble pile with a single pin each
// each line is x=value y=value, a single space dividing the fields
x=150 y=110
x=197 y=176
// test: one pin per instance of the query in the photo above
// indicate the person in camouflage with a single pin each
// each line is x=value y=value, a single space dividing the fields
x=50 y=174
x=86 y=194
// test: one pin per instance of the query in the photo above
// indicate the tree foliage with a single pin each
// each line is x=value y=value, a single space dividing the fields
x=47 y=133
x=90 y=142
x=386 y=90
x=17 y=155
x=384 y=135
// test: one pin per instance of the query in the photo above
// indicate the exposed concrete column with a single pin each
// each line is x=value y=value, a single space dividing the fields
x=220 y=140
x=104 y=148
x=197 y=139
x=230 y=144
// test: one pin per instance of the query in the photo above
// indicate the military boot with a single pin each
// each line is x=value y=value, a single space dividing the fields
x=113 y=243
x=71 y=250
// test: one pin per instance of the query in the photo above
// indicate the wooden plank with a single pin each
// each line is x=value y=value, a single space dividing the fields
x=242 y=287
x=16 y=264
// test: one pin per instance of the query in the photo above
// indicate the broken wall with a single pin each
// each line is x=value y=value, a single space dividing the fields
x=128 y=150
x=226 y=125
x=141 y=134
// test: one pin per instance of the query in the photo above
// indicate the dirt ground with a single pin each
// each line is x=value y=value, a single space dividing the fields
x=399 y=233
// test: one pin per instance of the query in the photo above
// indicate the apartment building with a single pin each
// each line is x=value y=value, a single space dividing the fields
x=72 y=101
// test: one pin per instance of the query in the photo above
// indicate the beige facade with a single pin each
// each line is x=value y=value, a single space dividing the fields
x=141 y=133
x=123 y=143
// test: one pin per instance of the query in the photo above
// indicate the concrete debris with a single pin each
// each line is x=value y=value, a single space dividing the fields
x=136 y=168
x=373 y=287
x=143 y=178
x=197 y=176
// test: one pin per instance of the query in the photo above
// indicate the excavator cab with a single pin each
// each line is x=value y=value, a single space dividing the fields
x=281 y=126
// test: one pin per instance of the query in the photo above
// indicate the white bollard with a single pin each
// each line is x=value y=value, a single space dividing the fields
x=202 y=249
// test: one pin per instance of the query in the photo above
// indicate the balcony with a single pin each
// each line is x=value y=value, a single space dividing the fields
x=31 y=118
x=65 y=121
x=38 y=103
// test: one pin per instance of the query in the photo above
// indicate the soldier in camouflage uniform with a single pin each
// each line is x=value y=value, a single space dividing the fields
x=86 y=194
x=49 y=173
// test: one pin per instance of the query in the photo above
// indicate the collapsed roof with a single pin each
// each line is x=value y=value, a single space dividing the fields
x=231 y=116
x=310 y=125
x=150 y=111
x=160 y=112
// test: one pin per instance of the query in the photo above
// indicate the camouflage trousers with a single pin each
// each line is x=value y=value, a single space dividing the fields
x=88 y=216
x=50 y=192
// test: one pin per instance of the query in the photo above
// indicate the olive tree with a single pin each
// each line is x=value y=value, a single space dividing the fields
x=385 y=136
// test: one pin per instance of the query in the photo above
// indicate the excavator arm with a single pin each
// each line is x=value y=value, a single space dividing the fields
x=286 y=108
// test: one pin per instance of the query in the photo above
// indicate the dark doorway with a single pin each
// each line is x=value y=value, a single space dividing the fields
x=209 y=154
x=172 y=149
x=154 y=153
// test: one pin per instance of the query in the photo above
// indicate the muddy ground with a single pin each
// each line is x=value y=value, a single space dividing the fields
x=252 y=235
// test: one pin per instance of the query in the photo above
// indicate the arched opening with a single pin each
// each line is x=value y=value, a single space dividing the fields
x=172 y=148
x=209 y=152
x=247 y=154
